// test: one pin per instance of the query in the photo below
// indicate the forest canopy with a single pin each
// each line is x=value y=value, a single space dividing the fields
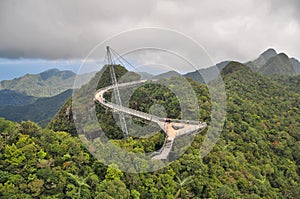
x=257 y=155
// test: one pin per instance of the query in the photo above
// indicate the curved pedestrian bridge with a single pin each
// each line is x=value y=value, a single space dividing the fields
x=172 y=127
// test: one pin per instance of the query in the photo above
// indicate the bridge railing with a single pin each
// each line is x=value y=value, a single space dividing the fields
x=190 y=130
x=132 y=111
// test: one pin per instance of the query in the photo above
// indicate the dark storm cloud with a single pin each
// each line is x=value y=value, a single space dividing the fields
x=61 y=29
x=69 y=29
x=289 y=7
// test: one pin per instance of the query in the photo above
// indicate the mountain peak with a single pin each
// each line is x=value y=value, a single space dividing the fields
x=168 y=74
x=262 y=59
x=270 y=52
x=234 y=66
x=65 y=74
x=45 y=84
x=293 y=59
x=51 y=70
x=278 y=65
x=283 y=56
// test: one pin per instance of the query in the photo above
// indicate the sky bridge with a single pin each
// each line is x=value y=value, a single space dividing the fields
x=172 y=127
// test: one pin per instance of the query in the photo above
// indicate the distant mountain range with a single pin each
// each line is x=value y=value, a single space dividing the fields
x=268 y=63
x=39 y=110
x=53 y=81
x=168 y=74
x=272 y=63
x=278 y=65
x=145 y=75
x=262 y=59
x=46 y=84
x=38 y=97
x=207 y=74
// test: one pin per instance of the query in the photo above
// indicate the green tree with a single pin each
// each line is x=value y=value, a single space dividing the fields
x=181 y=186
x=82 y=186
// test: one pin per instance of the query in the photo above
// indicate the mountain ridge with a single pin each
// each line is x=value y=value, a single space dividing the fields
x=42 y=110
x=207 y=74
x=262 y=64
x=278 y=65
x=263 y=58
x=45 y=84
x=15 y=98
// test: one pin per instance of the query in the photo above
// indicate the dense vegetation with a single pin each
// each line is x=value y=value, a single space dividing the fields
x=257 y=156
x=41 y=110
x=15 y=98
x=291 y=83
x=63 y=120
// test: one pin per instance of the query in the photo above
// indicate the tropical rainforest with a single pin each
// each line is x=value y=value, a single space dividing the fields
x=256 y=156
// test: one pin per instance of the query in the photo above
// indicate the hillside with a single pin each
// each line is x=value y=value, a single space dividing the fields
x=296 y=64
x=278 y=65
x=268 y=63
x=272 y=63
x=262 y=59
x=168 y=74
x=145 y=75
x=37 y=97
x=15 y=98
x=209 y=73
x=64 y=119
x=46 y=84
x=18 y=106
x=41 y=110
x=291 y=83
x=257 y=155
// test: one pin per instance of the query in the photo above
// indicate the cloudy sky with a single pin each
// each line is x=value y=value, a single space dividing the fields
x=62 y=33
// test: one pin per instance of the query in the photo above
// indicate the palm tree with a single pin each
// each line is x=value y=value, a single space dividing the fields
x=80 y=182
x=182 y=184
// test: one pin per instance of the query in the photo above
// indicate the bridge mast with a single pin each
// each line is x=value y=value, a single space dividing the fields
x=116 y=92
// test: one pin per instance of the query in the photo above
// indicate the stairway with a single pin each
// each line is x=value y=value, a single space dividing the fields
x=165 y=150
